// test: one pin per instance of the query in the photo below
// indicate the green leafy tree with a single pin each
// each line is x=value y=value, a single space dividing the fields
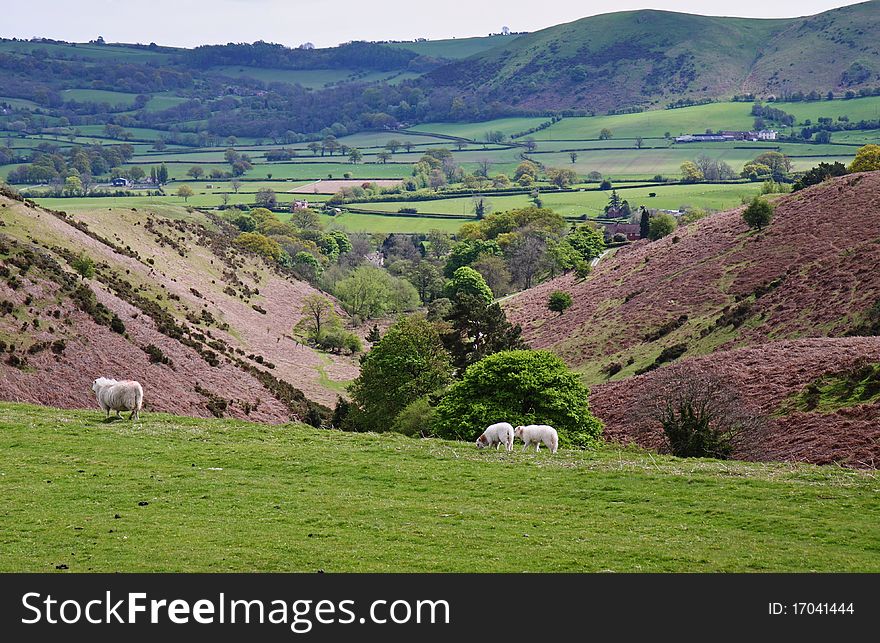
x=406 y=364
x=306 y=219
x=306 y=265
x=464 y=253
x=196 y=172
x=355 y=156
x=867 y=159
x=260 y=244
x=520 y=387
x=526 y=167
x=690 y=172
x=605 y=134
x=478 y=329
x=185 y=191
x=587 y=241
x=468 y=281
x=319 y=317
x=84 y=266
x=818 y=174
x=415 y=419
x=73 y=185
x=661 y=225
x=559 y=301
x=755 y=171
x=266 y=198
x=758 y=214
x=369 y=292
x=561 y=177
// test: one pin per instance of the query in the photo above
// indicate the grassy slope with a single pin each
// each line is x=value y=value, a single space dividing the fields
x=814 y=52
x=454 y=48
x=232 y=496
x=475 y=131
x=310 y=78
x=88 y=51
x=650 y=58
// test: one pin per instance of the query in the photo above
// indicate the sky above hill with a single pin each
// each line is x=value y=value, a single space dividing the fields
x=187 y=23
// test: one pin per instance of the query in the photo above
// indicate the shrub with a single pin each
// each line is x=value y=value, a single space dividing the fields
x=758 y=214
x=559 y=301
x=702 y=415
x=116 y=325
x=520 y=387
x=415 y=419
x=84 y=266
x=661 y=225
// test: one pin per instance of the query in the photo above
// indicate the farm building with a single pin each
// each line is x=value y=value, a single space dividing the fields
x=120 y=182
x=729 y=135
x=631 y=230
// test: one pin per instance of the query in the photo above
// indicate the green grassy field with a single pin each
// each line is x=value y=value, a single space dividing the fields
x=856 y=109
x=87 y=51
x=646 y=163
x=476 y=131
x=186 y=495
x=454 y=48
x=653 y=124
x=310 y=78
x=857 y=137
x=98 y=96
x=671 y=197
x=354 y=222
x=163 y=101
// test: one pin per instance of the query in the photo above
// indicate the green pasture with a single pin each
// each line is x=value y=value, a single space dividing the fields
x=310 y=78
x=857 y=109
x=454 y=48
x=477 y=131
x=654 y=123
x=176 y=494
x=98 y=96
x=86 y=51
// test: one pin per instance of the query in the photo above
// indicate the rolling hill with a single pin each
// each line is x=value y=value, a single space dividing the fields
x=715 y=286
x=650 y=58
x=205 y=327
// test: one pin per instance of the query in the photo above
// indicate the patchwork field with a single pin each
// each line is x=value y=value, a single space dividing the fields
x=331 y=187
x=178 y=494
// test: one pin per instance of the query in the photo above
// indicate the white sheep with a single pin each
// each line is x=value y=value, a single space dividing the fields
x=496 y=435
x=118 y=396
x=538 y=433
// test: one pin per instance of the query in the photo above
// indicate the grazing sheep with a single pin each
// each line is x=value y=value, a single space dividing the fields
x=496 y=435
x=119 y=396
x=538 y=433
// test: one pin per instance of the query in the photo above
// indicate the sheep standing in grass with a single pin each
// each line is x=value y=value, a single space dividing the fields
x=119 y=396
x=496 y=435
x=536 y=434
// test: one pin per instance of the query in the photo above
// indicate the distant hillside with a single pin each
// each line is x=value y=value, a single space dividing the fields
x=652 y=58
x=715 y=286
x=453 y=48
x=205 y=327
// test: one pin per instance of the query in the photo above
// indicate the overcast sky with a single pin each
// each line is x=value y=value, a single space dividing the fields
x=187 y=23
